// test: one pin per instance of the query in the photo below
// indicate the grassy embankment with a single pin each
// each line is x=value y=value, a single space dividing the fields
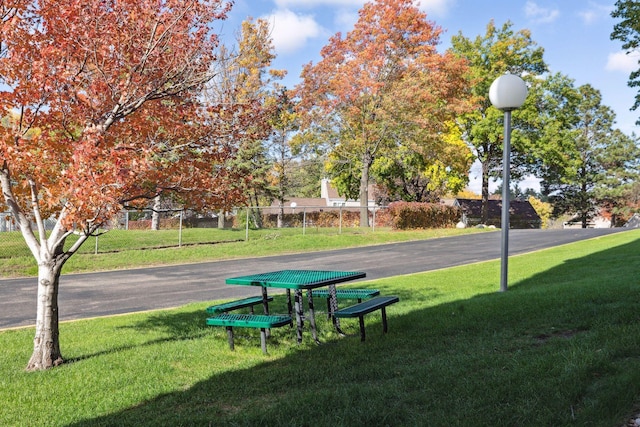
x=561 y=347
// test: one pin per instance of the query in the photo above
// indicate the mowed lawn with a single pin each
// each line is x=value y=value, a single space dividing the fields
x=561 y=347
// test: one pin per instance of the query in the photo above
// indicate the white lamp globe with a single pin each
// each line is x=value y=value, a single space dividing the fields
x=508 y=92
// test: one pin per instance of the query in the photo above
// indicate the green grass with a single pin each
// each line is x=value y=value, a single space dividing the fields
x=560 y=348
x=128 y=249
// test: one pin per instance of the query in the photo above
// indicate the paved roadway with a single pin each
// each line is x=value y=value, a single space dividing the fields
x=114 y=292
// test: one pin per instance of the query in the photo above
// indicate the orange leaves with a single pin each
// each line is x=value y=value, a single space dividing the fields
x=107 y=101
x=387 y=64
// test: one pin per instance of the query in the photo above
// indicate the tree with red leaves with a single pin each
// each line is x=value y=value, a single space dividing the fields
x=381 y=89
x=103 y=108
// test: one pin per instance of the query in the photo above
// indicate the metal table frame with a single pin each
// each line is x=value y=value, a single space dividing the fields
x=299 y=280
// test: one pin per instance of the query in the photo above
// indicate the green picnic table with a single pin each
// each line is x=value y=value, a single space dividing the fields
x=299 y=280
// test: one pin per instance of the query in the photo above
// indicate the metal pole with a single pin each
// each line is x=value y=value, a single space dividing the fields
x=506 y=166
x=246 y=233
x=180 y=230
x=373 y=226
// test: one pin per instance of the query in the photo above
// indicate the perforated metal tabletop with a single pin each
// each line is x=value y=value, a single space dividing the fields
x=296 y=279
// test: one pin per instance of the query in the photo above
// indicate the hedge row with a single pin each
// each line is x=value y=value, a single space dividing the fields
x=407 y=215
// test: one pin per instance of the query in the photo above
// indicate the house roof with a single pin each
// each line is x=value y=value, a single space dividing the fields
x=309 y=203
x=520 y=209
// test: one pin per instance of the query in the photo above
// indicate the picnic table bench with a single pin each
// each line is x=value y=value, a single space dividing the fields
x=357 y=294
x=238 y=304
x=360 y=309
x=261 y=321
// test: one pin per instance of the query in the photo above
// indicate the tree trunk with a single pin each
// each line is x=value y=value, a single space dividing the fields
x=221 y=219
x=155 y=214
x=484 y=214
x=46 y=344
x=364 y=190
x=281 y=215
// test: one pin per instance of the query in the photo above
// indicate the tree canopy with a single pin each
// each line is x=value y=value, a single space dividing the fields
x=498 y=51
x=103 y=107
x=627 y=30
x=382 y=86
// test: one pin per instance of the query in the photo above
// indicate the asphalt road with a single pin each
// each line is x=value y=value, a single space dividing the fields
x=126 y=291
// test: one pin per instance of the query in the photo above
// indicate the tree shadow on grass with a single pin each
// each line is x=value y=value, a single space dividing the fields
x=560 y=348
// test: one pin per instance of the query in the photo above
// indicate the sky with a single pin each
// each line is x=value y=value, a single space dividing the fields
x=575 y=35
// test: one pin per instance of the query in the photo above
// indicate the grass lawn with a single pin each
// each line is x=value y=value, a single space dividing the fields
x=560 y=348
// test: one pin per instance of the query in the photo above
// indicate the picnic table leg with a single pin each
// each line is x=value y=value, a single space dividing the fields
x=289 y=306
x=230 y=336
x=333 y=302
x=265 y=307
x=312 y=317
x=299 y=313
x=265 y=300
x=384 y=320
x=263 y=339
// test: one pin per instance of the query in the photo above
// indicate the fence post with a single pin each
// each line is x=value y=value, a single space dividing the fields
x=180 y=230
x=246 y=233
x=304 y=220
x=373 y=224
x=340 y=222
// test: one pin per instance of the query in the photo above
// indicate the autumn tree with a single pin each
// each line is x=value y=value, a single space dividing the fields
x=105 y=107
x=382 y=86
x=498 y=51
x=422 y=173
x=283 y=122
x=245 y=77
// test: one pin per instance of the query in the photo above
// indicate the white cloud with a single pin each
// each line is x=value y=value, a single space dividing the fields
x=541 y=15
x=314 y=3
x=621 y=61
x=290 y=31
x=436 y=7
x=346 y=18
x=431 y=7
x=594 y=12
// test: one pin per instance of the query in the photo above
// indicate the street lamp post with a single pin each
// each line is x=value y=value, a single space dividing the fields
x=506 y=93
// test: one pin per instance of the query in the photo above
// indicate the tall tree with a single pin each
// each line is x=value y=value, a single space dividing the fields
x=616 y=187
x=105 y=107
x=283 y=122
x=628 y=32
x=246 y=77
x=581 y=151
x=498 y=51
x=382 y=85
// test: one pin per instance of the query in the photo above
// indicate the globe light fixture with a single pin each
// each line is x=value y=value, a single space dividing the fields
x=506 y=93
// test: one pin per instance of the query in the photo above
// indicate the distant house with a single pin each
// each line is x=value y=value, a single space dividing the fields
x=332 y=198
x=521 y=213
x=329 y=198
x=602 y=220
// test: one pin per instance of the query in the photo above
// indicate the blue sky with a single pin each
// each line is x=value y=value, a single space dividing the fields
x=574 y=33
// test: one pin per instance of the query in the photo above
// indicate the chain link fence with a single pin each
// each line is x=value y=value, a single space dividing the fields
x=176 y=228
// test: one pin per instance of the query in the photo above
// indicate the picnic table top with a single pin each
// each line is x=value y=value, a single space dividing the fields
x=296 y=279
